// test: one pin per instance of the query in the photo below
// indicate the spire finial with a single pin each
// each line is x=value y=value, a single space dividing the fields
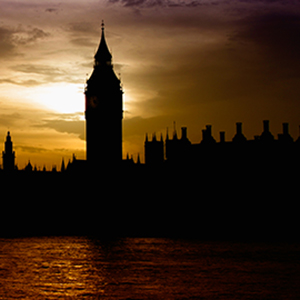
x=102 y=25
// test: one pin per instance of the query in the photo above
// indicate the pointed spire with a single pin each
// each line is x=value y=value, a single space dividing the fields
x=175 y=132
x=154 y=137
x=102 y=56
x=167 y=134
x=63 y=166
x=138 y=159
x=28 y=168
x=8 y=138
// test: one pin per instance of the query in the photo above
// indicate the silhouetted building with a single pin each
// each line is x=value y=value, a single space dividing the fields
x=8 y=155
x=177 y=149
x=262 y=151
x=104 y=111
x=266 y=136
x=239 y=136
x=154 y=150
x=28 y=168
x=63 y=168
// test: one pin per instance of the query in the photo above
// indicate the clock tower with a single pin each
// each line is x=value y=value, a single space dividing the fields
x=103 y=111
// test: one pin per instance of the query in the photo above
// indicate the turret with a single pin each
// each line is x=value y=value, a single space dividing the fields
x=239 y=137
x=63 y=168
x=285 y=136
x=222 y=136
x=266 y=135
x=207 y=137
x=8 y=155
x=175 y=132
x=183 y=133
x=154 y=150
x=28 y=168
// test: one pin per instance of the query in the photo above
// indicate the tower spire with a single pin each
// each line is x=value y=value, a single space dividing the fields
x=102 y=56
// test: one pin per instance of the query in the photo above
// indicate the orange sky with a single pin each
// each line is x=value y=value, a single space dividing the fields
x=193 y=62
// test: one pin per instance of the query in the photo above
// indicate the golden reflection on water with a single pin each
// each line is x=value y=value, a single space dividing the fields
x=49 y=268
x=135 y=268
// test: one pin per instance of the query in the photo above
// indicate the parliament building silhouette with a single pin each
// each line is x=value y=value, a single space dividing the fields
x=104 y=114
x=181 y=189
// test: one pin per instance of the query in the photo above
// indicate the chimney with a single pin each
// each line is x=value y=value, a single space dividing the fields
x=222 y=136
x=154 y=137
x=266 y=125
x=238 y=128
x=203 y=134
x=208 y=130
x=285 y=128
x=183 y=133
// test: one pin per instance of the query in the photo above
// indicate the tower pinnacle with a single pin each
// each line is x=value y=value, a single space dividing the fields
x=102 y=56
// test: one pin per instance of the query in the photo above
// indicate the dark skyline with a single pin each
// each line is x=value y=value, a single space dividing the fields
x=193 y=62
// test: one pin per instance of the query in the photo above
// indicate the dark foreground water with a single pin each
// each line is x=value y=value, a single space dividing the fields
x=142 y=268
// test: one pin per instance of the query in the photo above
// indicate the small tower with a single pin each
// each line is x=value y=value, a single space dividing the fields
x=8 y=155
x=154 y=151
x=63 y=168
x=104 y=111
x=266 y=135
x=239 y=136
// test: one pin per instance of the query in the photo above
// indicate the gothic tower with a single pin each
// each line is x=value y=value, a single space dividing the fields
x=8 y=155
x=104 y=111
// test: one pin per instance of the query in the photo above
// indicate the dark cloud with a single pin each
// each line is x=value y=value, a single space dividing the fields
x=66 y=123
x=83 y=34
x=10 y=119
x=49 y=74
x=85 y=28
x=283 y=2
x=38 y=69
x=11 y=38
x=30 y=149
x=22 y=36
x=51 y=10
x=28 y=83
x=83 y=42
x=7 y=45
x=275 y=39
x=45 y=74
x=159 y=3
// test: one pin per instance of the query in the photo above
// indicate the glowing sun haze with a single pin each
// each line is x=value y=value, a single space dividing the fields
x=193 y=62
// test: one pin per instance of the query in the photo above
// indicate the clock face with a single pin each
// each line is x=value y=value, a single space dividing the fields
x=92 y=101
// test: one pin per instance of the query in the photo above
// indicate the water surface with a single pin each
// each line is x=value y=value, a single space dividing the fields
x=144 y=268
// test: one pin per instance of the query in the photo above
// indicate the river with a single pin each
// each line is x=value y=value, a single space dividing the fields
x=147 y=268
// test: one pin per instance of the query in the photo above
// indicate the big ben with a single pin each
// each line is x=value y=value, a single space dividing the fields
x=103 y=111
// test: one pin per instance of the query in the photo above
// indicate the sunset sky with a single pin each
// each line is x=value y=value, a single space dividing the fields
x=195 y=62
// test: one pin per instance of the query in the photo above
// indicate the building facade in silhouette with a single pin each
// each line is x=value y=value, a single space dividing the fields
x=263 y=150
x=154 y=150
x=8 y=155
x=103 y=111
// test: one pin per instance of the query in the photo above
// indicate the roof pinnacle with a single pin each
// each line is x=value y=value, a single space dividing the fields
x=103 y=56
